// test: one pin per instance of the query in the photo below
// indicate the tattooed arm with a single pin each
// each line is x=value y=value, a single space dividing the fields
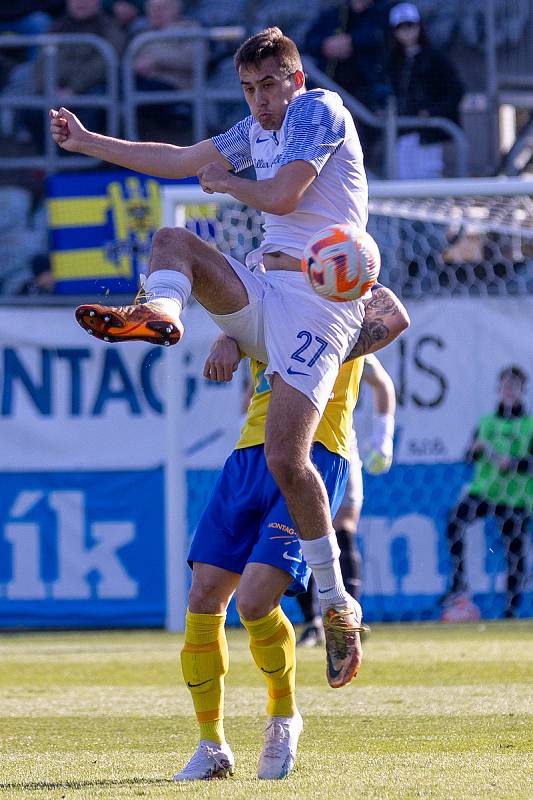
x=385 y=318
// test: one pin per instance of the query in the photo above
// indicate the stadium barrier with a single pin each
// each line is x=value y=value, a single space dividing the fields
x=53 y=159
x=201 y=96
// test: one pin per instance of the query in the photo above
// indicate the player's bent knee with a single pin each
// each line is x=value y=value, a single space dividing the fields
x=171 y=237
x=251 y=607
x=206 y=598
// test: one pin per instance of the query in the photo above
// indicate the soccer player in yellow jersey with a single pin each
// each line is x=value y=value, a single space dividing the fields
x=246 y=542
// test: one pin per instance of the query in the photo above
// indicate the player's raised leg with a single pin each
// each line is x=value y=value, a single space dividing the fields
x=180 y=263
x=291 y=424
x=273 y=647
x=204 y=661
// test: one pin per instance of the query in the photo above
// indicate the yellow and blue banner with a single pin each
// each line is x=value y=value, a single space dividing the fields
x=101 y=227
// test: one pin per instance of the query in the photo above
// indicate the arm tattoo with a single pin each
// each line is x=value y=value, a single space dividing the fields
x=383 y=321
x=372 y=331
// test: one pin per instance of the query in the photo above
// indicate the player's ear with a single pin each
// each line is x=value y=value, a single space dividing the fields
x=299 y=79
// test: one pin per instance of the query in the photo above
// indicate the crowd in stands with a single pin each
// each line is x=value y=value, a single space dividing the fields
x=376 y=50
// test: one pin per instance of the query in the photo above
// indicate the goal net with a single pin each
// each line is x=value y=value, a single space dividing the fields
x=459 y=253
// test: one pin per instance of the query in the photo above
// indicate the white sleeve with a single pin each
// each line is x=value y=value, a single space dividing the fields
x=234 y=144
x=316 y=129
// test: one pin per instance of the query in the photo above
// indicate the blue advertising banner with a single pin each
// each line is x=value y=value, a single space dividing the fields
x=79 y=549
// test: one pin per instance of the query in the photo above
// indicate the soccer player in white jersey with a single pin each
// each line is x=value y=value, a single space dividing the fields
x=309 y=166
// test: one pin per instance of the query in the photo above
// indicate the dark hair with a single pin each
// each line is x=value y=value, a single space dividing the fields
x=515 y=372
x=269 y=43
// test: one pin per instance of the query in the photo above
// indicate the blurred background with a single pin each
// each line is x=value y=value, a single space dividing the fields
x=107 y=456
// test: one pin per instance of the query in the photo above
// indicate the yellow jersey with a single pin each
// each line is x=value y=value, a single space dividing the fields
x=335 y=427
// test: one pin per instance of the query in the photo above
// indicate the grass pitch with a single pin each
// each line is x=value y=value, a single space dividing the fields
x=441 y=712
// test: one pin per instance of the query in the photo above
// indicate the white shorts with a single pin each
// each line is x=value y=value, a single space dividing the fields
x=294 y=331
x=353 y=496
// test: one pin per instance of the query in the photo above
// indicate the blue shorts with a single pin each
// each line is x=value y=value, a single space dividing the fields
x=246 y=519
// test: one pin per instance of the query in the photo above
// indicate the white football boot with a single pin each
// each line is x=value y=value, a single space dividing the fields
x=280 y=743
x=211 y=760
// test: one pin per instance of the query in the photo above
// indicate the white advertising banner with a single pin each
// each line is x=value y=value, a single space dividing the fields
x=445 y=368
x=72 y=402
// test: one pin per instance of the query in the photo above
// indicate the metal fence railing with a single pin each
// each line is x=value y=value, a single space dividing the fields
x=391 y=124
x=201 y=96
x=51 y=159
x=509 y=42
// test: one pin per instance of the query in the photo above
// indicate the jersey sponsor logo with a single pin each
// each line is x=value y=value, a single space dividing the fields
x=291 y=371
x=260 y=163
x=281 y=527
x=290 y=558
x=259 y=140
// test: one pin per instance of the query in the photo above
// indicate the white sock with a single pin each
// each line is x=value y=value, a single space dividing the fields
x=168 y=284
x=322 y=555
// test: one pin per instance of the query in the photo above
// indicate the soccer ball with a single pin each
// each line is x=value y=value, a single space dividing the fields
x=341 y=263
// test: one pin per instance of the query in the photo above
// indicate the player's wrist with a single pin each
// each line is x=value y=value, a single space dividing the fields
x=382 y=432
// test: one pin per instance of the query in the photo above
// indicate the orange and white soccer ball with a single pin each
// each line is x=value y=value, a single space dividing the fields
x=341 y=263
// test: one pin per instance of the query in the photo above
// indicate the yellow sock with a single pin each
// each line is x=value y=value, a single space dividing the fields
x=273 y=647
x=204 y=662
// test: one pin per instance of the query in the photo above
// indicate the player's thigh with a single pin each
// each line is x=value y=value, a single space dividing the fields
x=211 y=588
x=260 y=590
x=307 y=338
x=278 y=545
x=291 y=423
x=215 y=284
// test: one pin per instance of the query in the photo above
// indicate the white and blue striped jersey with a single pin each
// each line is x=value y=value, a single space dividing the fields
x=318 y=129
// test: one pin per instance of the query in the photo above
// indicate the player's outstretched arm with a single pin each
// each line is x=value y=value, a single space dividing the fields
x=385 y=319
x=153 y=158
x=223 y=359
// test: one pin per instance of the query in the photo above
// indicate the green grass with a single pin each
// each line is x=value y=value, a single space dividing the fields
x=441 y=712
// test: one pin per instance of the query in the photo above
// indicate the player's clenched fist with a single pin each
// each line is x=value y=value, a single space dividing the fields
x=214 y=177
x=66 y=129
x=223 y=359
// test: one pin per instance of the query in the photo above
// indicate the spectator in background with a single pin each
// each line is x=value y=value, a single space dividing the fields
x=128 y=14
x=80 y=68
x=349 y=44
x=164 y=65
x=502 y=486
x=425 y=84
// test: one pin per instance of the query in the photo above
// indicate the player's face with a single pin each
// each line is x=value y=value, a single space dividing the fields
x=268 y=90
x=511 y=389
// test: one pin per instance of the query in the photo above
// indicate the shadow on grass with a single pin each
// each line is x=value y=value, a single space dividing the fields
x=36 y=785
